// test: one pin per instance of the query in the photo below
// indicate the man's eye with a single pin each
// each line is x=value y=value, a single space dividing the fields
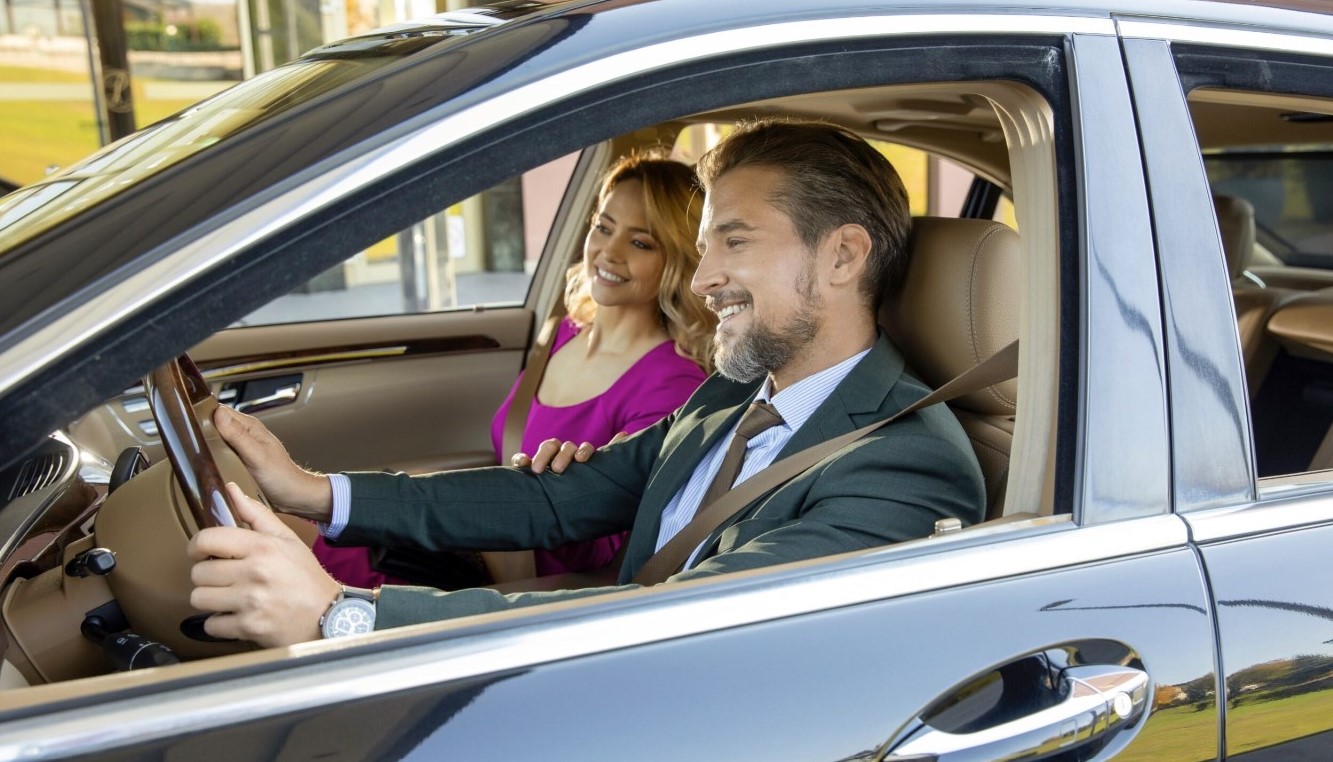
x=734 y=242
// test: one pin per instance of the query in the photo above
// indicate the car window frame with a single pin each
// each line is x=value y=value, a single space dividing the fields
x=1221 y=495
x=583 y=122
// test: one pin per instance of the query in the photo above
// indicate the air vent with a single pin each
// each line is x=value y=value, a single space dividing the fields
x=37 y=473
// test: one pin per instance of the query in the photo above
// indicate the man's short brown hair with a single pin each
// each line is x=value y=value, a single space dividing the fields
x=833 y=178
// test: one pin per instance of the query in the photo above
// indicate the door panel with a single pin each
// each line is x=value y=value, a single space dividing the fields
x=426 y=403
x=412 y=392
x=1275 y=614
x=837 y=684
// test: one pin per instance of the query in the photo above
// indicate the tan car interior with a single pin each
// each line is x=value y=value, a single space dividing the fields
x=1255 y=302
x=1279 y=308
x=958 y=307
x=974 y=287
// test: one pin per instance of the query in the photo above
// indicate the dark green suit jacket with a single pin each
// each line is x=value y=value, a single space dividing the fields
x=888 y=487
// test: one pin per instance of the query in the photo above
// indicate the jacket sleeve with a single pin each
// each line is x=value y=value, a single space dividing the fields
x=502 y=508
x=885 y=490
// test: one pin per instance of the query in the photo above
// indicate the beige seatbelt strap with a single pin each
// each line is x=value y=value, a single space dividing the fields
x=508 y=566
x=517 y=419
x=1001 y=366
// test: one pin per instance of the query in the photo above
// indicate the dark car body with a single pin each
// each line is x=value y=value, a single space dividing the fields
x=1141 y=540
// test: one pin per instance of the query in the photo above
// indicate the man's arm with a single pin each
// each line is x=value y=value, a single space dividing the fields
x=887 y=490
x=504 y=508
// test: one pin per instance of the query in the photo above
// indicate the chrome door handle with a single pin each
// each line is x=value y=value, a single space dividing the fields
x=284 y=396
x=1099 y=701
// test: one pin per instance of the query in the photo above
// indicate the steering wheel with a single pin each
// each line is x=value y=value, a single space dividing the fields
x=148 y=521
x=174 y=391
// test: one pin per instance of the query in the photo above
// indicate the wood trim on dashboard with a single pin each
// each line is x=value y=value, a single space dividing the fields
x=329 y=355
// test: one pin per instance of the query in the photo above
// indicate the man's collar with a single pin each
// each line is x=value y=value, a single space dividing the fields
x=799 y=401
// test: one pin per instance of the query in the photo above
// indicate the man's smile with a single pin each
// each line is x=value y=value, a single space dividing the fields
x=731 y=309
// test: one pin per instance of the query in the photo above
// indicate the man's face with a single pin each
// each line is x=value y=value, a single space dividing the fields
x=757 y=275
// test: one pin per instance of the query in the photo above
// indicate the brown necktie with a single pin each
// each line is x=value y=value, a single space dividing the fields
x=760 y=417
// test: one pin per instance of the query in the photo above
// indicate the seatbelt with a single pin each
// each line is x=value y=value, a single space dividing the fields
x=1001 y=366
x=516 y=421
x=521 y=564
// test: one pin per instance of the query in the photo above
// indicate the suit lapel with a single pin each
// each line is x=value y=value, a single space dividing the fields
x=858 y=401
x=686 y=445
x=855 y=402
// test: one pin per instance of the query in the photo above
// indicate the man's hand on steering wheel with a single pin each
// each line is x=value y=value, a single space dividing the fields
x=263 y=581
x=288 y=487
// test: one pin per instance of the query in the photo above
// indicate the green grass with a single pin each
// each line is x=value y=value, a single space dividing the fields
x=1181 y=734
x=27 y=75
x=1258 y=724
x=40 y=133
x=37 y=134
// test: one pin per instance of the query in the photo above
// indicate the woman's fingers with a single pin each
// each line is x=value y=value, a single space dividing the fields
x=555 y=455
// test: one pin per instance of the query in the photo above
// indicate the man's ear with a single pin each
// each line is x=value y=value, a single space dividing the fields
x=850 y=247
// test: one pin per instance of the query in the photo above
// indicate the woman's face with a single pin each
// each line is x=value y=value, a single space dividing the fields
x=624 y=262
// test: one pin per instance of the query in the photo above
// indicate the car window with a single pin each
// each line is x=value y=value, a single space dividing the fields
x=480 y=251
x=1271 y=175
x=1291 y=190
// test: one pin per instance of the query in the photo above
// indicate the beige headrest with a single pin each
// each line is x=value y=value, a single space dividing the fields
x=1235 y=220
x=959 y=304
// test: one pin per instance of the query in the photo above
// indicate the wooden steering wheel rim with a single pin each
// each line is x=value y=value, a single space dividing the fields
x=173 y=390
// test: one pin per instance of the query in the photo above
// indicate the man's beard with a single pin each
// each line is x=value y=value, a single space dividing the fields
x=762 y=350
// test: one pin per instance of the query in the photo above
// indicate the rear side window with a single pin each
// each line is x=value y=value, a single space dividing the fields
x=1291 y=190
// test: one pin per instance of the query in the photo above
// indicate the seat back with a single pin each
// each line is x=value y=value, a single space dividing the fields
x=958 y=306
x=1235 y=221
x=1255 y=303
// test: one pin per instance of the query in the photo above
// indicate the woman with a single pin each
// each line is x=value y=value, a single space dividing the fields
x=635 y=345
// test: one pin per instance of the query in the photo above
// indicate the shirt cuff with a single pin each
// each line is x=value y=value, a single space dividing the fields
x=342 y=501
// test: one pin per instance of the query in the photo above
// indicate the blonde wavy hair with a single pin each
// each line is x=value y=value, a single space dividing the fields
x=673 y=205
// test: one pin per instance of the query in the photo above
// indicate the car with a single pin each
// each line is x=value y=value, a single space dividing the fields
x=358 y=247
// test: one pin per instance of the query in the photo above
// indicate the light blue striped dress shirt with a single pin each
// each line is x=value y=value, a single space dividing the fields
x=795 y=404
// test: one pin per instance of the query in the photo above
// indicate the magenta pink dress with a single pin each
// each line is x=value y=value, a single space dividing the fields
x=654 y=386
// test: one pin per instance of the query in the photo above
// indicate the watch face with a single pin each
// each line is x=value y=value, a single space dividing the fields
x=350 y=616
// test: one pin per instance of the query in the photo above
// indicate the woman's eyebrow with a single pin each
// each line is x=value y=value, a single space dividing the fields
x=612 y=220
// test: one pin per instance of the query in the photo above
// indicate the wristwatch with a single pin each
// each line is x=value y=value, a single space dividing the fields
x=351 y=613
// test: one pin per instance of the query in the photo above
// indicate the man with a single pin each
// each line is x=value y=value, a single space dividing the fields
x=803 y=235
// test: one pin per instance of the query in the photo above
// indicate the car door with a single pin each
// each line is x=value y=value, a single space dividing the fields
x=1263 y=532
x=1080 y=631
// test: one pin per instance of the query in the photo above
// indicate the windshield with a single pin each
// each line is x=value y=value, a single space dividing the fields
x=39 y=207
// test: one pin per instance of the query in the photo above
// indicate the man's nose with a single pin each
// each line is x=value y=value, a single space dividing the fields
x=708 y=276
